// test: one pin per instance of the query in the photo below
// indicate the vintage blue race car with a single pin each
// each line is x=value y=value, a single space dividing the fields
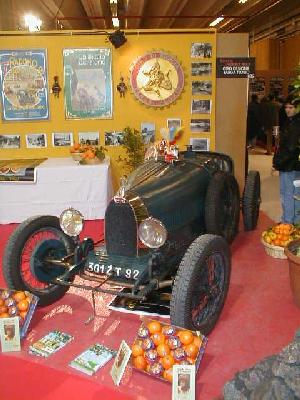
x=166 y=231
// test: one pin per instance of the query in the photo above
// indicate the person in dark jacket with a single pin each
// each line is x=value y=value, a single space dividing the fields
x=286 y=161
x=254 y=121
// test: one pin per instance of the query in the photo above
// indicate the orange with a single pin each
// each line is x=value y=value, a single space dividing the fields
x=197 y=341
x=18 y=296
x=191 y=360
x=167 y=361
x=191 y=350
x=1 y=302
x=168 y=374
x=139 y=362
x=4 y=315
x=137 y=350
x=154 y=327
x=158 y=338
x=186 y=337
x=23 y=305
x=163 y=350
x=23 y=314
x=3 y=309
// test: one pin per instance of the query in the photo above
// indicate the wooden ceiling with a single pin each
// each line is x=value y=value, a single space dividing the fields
x=261 y=18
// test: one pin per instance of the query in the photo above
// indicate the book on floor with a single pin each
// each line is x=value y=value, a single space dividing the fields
x=50 y=343
x=92 y=359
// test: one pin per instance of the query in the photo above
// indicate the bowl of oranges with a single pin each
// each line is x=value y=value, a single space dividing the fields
x=18 y=304
x=276 y=238
x=158 y=346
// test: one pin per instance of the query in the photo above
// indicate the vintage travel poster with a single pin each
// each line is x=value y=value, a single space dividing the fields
x=88 y=83
x=24 y=86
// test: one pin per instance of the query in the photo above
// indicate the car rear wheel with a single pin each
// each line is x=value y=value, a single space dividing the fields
x=24 y=265
x=222 y=206
x=251 y=200
x=201 y=284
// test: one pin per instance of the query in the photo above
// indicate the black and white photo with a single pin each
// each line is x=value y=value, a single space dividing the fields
x=62 y=139
x=201 y=50
x=89 y=138
x=10 y=141
x=36 y=140
x=114 y=138
x=201 y=87
x=200 y=125
x=199 y=144
x=201 y=69
x=173 y=123
x=148 y=132
x=201 y=106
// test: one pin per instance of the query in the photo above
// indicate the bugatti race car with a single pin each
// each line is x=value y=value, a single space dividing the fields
x=168 y=227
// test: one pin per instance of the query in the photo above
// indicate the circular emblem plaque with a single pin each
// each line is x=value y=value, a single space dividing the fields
x=157 y=79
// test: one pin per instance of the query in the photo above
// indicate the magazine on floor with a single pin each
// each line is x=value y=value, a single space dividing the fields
x=50 y=343
x=92 y=359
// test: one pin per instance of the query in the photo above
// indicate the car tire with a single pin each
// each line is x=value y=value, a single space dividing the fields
x=21 y=262
x=251 y=200
x=201 y=284
x=222 y=206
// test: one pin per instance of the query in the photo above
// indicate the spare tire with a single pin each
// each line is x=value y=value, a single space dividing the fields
x=251 y=200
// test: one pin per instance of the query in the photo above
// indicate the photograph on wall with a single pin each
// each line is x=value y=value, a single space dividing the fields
x=201 y=106
x=257 y=86
x=201 y=50
x=276 y=85
x=10 y=141
x=113 y=138
x=173 y=123
x=88 y=83
x=24 y=85
x=201 y=87
x=36 y=140
x=61 y=139
x=89 y=138
x=200 y=125
x=148 y=132
x=200 y=144
x=201 y=69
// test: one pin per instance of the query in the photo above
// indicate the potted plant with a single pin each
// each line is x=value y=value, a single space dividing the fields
x=134 y=147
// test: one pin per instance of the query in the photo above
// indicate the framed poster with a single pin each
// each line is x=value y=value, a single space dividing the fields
x=24 y=85
x=88 y=83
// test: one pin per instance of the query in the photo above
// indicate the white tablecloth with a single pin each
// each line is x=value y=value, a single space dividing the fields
x=60 y=183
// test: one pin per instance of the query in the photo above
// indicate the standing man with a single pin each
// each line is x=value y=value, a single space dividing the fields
x=286 y=161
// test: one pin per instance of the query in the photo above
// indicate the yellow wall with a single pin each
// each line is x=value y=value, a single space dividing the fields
x=126 y=112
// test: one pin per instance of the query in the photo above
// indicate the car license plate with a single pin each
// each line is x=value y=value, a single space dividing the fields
x=110 y=270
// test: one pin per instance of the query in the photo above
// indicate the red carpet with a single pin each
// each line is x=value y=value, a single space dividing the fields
x=259 y=318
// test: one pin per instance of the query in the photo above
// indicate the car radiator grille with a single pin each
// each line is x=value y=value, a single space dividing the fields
x=121 y=222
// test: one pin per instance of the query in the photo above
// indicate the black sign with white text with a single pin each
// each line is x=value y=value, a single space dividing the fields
x=235 y=67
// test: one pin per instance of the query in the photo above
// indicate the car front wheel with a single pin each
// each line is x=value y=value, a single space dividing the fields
x=25 y=265
x=201 y=284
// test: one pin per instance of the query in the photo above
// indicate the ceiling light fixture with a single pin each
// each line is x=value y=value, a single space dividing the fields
x=114 y=13
x=243 y=1
x=216 y=21
x=32 y=23
x=115 y=22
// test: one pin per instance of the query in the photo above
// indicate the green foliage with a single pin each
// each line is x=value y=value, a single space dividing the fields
x=135 y=148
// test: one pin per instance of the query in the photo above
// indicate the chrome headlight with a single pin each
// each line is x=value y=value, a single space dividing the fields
x=71 y=222
x=152 y=233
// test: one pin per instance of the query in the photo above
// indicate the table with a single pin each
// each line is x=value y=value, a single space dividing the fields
x=60 y=183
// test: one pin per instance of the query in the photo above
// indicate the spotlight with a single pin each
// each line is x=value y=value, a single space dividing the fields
x=117 y=38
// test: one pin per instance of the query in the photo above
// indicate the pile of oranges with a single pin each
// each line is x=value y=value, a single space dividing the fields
x=281 y=234
x=159 y=346
x=88 y=152
x=13 y=304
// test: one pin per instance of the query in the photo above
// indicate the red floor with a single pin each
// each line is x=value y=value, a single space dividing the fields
x=259 y=318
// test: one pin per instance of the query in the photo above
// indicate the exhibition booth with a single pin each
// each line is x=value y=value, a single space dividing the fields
x=77 y=109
